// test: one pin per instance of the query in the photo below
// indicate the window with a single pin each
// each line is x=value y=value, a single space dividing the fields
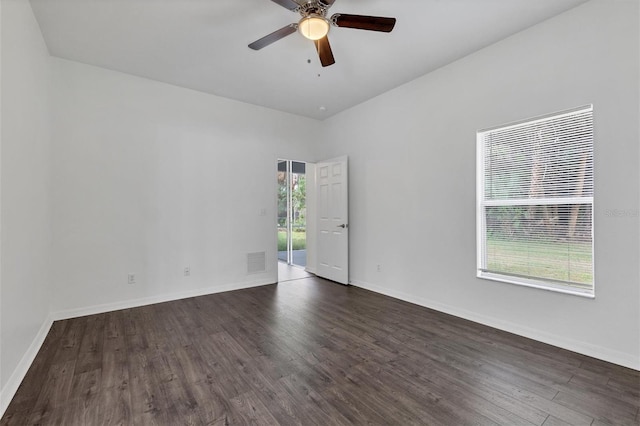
x=535 y=202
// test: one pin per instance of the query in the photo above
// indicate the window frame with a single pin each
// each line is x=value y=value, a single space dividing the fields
x=481 y=204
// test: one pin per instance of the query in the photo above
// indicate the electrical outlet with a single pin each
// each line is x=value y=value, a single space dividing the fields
x=131 y=278
x=187 y=271
x=379 y=268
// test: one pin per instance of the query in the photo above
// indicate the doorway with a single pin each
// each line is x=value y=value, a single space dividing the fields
x=292 y=213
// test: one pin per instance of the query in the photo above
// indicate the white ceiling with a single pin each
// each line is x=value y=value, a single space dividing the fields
x=202 y=44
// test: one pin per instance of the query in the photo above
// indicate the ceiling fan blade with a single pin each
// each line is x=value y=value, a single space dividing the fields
x=324 y=51
x=273 y=37
x=361 y=22
x=287 y=4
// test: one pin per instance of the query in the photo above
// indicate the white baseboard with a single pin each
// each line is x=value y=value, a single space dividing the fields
x=599 y=352
x=10 y=389
x=12 y=385
x=144 y=301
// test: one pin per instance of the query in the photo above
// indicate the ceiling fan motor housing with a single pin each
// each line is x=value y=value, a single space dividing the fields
x=314 y=7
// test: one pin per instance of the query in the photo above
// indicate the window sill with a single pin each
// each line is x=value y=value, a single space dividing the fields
x=542 y=285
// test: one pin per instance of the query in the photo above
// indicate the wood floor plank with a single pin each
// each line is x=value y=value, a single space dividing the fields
x=148 y=403
x=378 y=399
x=181 y=401
x=411 y=386
x=310 y=352
x=249 y=409
x=429 y=375
x=55 y=393
x=622 y=397
x=70 y=340
x=114 y=406
x=601 y=422
x=221 y=372
x=86 y=385
x=521 y=402
x=300 y=391
x=212 y=406
x=194 y=369
x=16 y=418
x=115 y=369
x=283 y=407
x=628 y=390
x=599 y=409
x=554 y=421
x=350 y=407
x=91 y=345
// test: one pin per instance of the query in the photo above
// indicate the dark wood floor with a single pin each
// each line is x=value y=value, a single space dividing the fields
x=310 y=352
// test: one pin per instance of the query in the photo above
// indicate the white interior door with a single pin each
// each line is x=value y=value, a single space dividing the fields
x=333 y=220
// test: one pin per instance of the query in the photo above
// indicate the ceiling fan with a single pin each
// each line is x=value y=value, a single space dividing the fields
x=315 y=25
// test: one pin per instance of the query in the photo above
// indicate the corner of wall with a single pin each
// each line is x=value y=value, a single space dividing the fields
x=14 y=381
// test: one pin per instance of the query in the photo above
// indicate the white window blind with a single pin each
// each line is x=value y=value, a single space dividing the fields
x=535 y=202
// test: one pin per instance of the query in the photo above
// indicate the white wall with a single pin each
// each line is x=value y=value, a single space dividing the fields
x=25 y=189
x=149 y=178
x=412 y=178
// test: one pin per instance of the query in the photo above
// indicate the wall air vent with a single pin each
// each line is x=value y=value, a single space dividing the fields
x=256 y=262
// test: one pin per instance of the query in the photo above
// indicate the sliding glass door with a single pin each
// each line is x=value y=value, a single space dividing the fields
x=292 y=212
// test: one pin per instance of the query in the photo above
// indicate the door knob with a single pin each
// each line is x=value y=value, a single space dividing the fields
x=343 y=226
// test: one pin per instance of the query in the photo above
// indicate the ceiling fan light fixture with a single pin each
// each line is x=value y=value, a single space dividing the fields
x=313 y=27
